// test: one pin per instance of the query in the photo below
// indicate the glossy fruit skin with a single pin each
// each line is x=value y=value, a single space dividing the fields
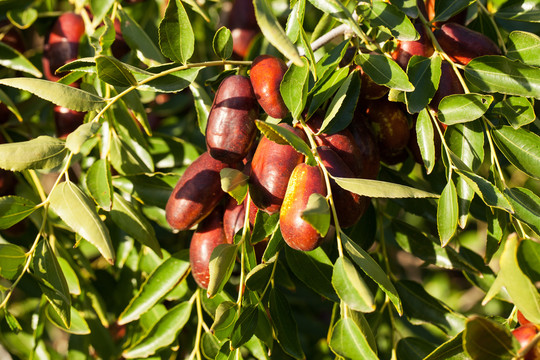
x=370 y=90
x=196 y=194
x=297 y=233
x=448 y=85
x=67 y=120
x=389 y=125
x=233 y=218
x=463 y=44
x=349 y=206
x=63 y=44
x=205 y=239
x=407 y=49
x=271 y=167
x=522 y=319
x=524 y=334
x=243 y=26
x=266 y=74
x=369 y=157
x=231 y=130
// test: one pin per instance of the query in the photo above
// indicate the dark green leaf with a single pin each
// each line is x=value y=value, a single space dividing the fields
x=527 y=10
x=328 y=87
x=173 y=82
x=203 y=103
x=259 y=276
x=12 y=259
x=317 y=213
x=220 y=267
x=389 y=16
x=176 y=37
x=6 y=100
x=244 y=327
x=78 y=211
x=59 y=94
x=348 y=341
x=529 y=259
x=23 y=18
x=444 y=10
x=43 y=152
x=526 y=205
x=520 y=147
x=447 y=213
x=500 y=74
x=133 y=102
x=517 y=110
x=294 y=87
x=99 y=183
x=425 y=139
x=424 y=74
x=78 y=326
x=223 y=43
x=284 y=324
x=486 y=190
x=350 y=287
x=384 y=71
x=162 y=334
x=381 y=189
x=114 y=72
x=485 y=339
x=409 y=7
x=13 y=59
x=77 y=138
x=128 y=157
x=225 y=318
x=413 y=348
x=450 y=350
x=460 y=108
x=12 y=322
x=209 y=345
x=337 y=10
x=341 y=110
x=524 y=46
x=52 y=281
x=235 y=183
x=14 y=209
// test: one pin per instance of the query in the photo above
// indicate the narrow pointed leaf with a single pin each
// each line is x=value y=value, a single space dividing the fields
x=78 y=326
x=350 y=287
x=486 y=190
x=99 y=183
x=284 y=324
x=13 y=59
x=339 y=11
x=114 y=72
x=78 y=212
x=6 y=100
x=424 y=74
x=77 y=138
x=14 y=209
x=447 y=213
x=520 y=147
x=452 y=348
x=381 y=189
x=294 y=86
x=384 y=71
x=244 y=327
x=43 y=152
x=202 y=103
x=176 y=37
x=526 y=205
x=424 y=137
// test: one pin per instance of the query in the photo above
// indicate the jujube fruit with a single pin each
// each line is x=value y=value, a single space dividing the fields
x=462 y=44
x=369 y=159
x=407 y=49
x=205 y=239
x=66 y=120
x=298 y=233
x=524 y=334
x=271 y=167
x=196 y=194
x=243 y=26
x=448 y=85
x=266 y=74
x=231 y=130
x=389 y=124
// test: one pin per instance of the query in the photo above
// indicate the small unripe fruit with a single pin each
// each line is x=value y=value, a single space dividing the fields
x=266 y=74
x=196 y=194
x=231 y=129
x=298 y=233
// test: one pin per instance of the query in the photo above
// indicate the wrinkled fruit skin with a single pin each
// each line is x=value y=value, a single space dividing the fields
x=243 y=26
x=271 y=167
x=390 y=126
x=407 y=49
x=369 y=158
x=463 y=44
x=67 y=120
x=196 y=194
x=524 y=334
x=63 y=44
x=349 y=206
x=231 y=130
x=448 y=85
x=208 y=235
x=297 y=233
x=266 y=74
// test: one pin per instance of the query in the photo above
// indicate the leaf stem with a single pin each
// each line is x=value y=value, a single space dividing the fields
x=494 y=24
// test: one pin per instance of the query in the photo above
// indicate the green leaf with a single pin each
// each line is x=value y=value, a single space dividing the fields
x=295 y=20
x=274 y=33
x=259 y=276
x=526 y=205
x=235 y=183
x=14 y=209
x=128 y=157
x=381 y=189
x=225 y=318
x=52 y=281
x=317 y=213
x=6 y=100
x=129 y=219
x=71 y=277
x=23 y=18
x=223 y=43
x=202 y=103
x=337 y=10
x=99 y=183
x=13 y=59
x=520 y=147
x=176 y=37
x=12 y=259
x=321 y=93
x=350 y=287
x=485 y=339
x=460 y=108
x=57 y=93
x=43 y=152
x=413 y=348
x=79 y=326
x=424 y=74
x=384 y=71
x=486 y=190
x=284 y=324
x=425 y=139
x=220 y=267
x=499 y=74
x=447 y=213
x=389 y=16
x=528 y=257
x=341 y=110
x=517 y=110
x=162 y=280
x=137 y=39
x=12 y=322
x=294 y=87
x=348 y=341
x=527 y=10
x=77 y=138
x=173 y=82
x=524 y=46
x=244 y=327
x=162 y=334
x=114 y=72
x=133 y=102
x=451 y=350
x=209 y=345
x=284 y=136
x=314 y=268
x=520 y=288
x=444 y=10
x=422 y=308
x=79 y=213
x=372 y=269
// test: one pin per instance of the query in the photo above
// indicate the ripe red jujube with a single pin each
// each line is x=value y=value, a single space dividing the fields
x=266 y=74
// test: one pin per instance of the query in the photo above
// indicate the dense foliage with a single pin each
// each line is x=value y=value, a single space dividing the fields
x=368 y=190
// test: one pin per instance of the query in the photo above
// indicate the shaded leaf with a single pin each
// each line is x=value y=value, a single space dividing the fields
x=77 y=138
x=235 y=183
x=486 y=190
x=348 y=341
x=520 y=147
x=294 y=86
x=114 y=72
x=350 y=287
x=317 y=213
x=524 y=46
x=14 y=209
x=447 y=213
x=341 y=110
x=484 y=339
x=223 y=43
x=12 y=259
x=449 y=350
x=203 y=103
x=220 y=267
x=78 y=326
x=244 y=327
x=391 y=17
x=517 y=110
x=425 y=139
x=284 y=324
x=445 y=10
x=526 y=205
x=424 y=74
x=528 y=257
x=99 y=183
x=11 y=58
